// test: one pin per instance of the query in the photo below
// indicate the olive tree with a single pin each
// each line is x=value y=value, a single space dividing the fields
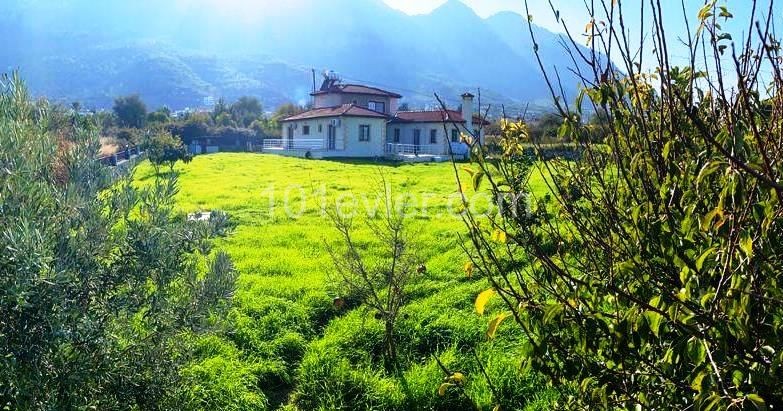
x=102 y=285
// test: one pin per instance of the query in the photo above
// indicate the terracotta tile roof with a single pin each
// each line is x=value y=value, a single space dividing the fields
x=356 y=89
x=351 y=110
x=434 y=116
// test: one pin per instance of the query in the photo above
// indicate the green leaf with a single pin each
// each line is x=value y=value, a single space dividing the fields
x=706 y=298
x=703 y=257
x=757 y=401
x=482 y=299
x=495 y=323
x=654 y=321
x=551 y=311
x=746 y=245
x=696 y=351
x=696 y=381
x=667 y=149
x=477 y=178
x=737 y=378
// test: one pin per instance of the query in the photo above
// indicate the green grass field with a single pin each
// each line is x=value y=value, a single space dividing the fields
x=284 y=344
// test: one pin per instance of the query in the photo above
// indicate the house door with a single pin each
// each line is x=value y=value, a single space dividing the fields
x=331 y=139
x=416 y=137
x=290 y=143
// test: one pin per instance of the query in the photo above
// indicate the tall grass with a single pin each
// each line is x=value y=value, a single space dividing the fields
x=286 y=344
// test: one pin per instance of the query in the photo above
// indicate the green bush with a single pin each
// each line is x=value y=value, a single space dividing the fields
x=102 y=284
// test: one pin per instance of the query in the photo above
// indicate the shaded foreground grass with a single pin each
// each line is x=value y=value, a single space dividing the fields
x=286 y=345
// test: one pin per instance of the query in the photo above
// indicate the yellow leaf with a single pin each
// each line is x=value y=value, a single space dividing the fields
x=589 y=26
x=443 y=387
x=469 y=269
x=457 y=377
x=499 y=236
x=497 y=408
x=495 y=323
x=482 y=299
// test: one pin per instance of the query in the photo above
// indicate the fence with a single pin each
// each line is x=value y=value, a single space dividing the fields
x=113 y=160
x=413 y=149
x=294 y=144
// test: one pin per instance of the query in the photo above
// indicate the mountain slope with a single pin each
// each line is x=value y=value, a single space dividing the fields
x=175 y=55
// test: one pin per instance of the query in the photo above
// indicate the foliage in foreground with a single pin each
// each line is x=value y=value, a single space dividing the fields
x=656 y=275
x=101 y=284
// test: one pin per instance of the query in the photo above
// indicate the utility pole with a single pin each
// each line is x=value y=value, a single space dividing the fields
x=313 y=70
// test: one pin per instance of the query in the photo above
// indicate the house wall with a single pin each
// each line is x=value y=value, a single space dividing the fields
x=406 y=134
x=350 y=131
x=362 y=100
x=347 y=142
x=299 y=126
x=327 y=100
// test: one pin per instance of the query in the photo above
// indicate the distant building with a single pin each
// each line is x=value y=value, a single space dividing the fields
x=352 y=120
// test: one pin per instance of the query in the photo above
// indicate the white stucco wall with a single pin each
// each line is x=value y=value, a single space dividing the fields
x=350 y=133
x=299 y=127
x=347 y=142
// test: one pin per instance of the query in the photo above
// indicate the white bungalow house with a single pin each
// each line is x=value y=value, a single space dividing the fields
x=351 y=120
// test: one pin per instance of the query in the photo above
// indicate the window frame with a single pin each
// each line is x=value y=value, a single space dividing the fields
x=362 y=137
x=433 y=136
x=454 y=135
x=396 y=135
x=373 y=105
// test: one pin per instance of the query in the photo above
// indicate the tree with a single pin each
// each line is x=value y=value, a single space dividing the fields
x=545 y=129
x=101 y=290
x=246 y=110
x=159 y=116
x=164 y=148
x=652 y=279
x=381 y=285
x=287 y=110
x=130 y=111
x=220 y=108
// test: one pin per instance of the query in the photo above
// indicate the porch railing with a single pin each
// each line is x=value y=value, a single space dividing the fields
x=294 y=144
x=413 y=149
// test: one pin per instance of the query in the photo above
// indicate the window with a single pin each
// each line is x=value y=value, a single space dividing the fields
x=433 y=136
x=454 y=135
x=396 y=135
x=378 y=106
x=320 y=128
x=416 y=137
x=364 y=132
x=306 y=130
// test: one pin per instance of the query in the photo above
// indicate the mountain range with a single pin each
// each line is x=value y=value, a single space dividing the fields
x=176 y=53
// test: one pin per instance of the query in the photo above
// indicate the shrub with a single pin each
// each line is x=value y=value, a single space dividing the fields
x=102 y=287
x=655 y=279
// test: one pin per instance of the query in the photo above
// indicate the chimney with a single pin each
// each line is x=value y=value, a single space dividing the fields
x=467 y=111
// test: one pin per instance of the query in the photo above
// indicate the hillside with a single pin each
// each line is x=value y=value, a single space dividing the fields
x=80 y=51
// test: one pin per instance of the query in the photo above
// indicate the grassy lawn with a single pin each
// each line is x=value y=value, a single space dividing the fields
x=286 y=345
